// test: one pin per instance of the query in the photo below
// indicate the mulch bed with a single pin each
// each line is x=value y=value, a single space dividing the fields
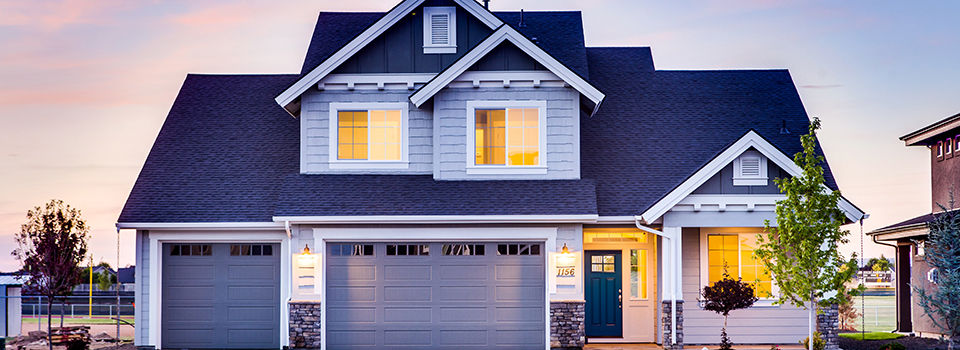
x=909 y=342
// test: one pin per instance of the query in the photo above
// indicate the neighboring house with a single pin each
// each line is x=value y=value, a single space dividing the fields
x=440 y=176
x=11 y=288
x=126 y=276
x=908 y=236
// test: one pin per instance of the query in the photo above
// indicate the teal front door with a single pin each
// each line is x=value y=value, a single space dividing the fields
x=604 y=311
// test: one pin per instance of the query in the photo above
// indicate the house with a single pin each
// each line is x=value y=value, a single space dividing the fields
x=11 y=287
x=908 y=236
x=126 y=276
x=442 y=176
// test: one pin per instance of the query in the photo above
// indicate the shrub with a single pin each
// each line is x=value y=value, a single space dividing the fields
x=818 y=342
x=893 y=346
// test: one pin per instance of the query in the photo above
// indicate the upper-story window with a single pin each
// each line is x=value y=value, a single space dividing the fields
x=940 y=150
x=368 y=135
x=750 y=169
x=440 y=29
x=506 y=137
x=949 y=147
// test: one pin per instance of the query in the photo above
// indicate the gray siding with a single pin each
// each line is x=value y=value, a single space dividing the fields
x=756 y=325
x=315 y=137
x=570 y=288
x=142 y=290
x=722 y=182
x=563 y=131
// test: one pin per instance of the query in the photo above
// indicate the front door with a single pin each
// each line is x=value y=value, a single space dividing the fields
x=604 y=309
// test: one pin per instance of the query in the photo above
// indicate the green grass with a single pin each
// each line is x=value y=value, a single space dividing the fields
x=78 y=320
x=880 y=312
x=871 y=336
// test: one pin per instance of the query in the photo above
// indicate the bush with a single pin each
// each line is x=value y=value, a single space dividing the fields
x=893 y=346
x=818 y=342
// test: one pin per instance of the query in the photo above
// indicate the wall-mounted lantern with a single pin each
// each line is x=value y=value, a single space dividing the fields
x=305 y=259
x=566 y=263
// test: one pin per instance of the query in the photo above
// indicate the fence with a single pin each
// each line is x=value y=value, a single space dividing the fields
x=102 y=315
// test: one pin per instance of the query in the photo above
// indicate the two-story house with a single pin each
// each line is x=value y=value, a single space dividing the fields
x=907 y=237
x=441 y=176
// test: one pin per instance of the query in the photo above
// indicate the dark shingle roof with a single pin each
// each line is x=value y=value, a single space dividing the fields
x=333 y=195
x=559 y=33
x=922 y=219
x=655 y=129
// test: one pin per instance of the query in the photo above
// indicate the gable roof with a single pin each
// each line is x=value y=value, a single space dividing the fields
x=503 y=34
x=289 y=95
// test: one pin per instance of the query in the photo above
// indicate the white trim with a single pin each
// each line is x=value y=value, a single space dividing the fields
x=439 y=219
x=199 y=225
x=739 y=179
x=705 y=264
x=728 y=202
x=157 y=238
x=367 y=36
x=616 y=219
x=473 y=168
x=333 y=129
x=506 y=33
x=428 y=46
x=750 y=140
x=547 y=235
x=380 y=81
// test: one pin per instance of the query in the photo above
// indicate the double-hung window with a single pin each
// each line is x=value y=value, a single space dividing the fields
x=506 y=137
x=732 y=253
x=368 y=135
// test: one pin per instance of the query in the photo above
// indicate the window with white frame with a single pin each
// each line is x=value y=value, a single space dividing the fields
x=939 y=149
x=506 y=137
x=439 y=29
x=732 y=254
x=949 y=146
x=750 y=169
x=368 y=135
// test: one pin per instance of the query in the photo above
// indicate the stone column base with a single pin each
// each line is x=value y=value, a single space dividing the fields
x=566 y=324
x=828 y=324
x=666 y=316
x=305 y=324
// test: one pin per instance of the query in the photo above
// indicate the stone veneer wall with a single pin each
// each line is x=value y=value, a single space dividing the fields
x=828 y=324
x=566 y=324
x=305 y=324
x=667 y=320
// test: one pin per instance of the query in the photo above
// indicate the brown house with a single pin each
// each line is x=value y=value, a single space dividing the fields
x=942 y=139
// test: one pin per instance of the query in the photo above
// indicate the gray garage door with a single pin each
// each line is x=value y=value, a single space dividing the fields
x=220 y=296
x=435 y=295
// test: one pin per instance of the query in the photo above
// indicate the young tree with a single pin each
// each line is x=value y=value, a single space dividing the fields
x=801 y=251
x=105 y=280
x=942 y=252
x=51 y=246
x=726 y=295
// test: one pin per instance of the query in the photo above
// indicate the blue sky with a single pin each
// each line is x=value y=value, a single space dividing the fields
x=85 y=85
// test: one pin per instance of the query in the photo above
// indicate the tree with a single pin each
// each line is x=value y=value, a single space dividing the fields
x=879 y=264
x=105 y=280
x=942 y=252
x=801 y=252
x=51 y=246
x=726 y=295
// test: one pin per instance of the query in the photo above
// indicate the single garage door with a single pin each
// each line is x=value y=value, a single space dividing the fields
x=435 y=295
x=220 y=296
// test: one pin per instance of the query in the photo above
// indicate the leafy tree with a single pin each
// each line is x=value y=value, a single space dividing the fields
x=51 y=247
x=105 y=280
x=802 y=250
x=942 y=252
x=726 y=295
x=879 y=264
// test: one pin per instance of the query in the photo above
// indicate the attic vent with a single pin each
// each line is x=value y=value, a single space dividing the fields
x=439 y=30
x=750 y=169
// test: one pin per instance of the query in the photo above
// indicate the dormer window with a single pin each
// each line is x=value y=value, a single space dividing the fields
x=439 y=30
x=750 y=169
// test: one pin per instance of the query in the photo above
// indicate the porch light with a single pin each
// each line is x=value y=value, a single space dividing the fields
x=565 y=250
x=305 y=259
x=306 y=249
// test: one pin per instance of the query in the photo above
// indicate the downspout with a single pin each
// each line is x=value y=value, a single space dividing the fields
x=674 y=253
x=286 y=227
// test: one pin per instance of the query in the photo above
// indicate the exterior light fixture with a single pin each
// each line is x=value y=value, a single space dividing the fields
x=306 y=249
x=305 y=259
x=565 y=250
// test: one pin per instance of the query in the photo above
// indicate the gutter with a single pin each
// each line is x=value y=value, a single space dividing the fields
x=674 y=254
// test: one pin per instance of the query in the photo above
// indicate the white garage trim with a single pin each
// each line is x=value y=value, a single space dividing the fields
x=548 y=235
x=157 y=238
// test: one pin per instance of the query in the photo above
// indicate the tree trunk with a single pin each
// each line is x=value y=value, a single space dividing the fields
x=49 y=322
x=811 y=326
x=63 y=304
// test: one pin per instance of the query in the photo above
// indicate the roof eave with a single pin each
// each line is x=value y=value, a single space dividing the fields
x=925 y=133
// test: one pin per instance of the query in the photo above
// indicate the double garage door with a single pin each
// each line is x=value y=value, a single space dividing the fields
x=220 y=296
x=435 y=295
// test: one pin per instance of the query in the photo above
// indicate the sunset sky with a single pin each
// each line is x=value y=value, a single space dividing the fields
x=85 y=85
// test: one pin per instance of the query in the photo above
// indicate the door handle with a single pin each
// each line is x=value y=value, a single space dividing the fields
x=620 y=298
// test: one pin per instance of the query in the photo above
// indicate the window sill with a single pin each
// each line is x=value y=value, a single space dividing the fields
x=749 y=182
x=504 y=170
x=364 y=164
x=439 y=49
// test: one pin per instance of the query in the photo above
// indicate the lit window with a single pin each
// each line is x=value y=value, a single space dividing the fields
x=603 y=263
x=369 y=135
x=638 y=273
x=734 y=253
x=509 y=136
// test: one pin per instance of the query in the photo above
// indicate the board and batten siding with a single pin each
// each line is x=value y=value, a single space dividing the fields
x=562 y=123
x=315 y=136
x=782 y=324
x=142 y=289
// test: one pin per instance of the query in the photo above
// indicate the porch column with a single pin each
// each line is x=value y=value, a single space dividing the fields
x=672 y=288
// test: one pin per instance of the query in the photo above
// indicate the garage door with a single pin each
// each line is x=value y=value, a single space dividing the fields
x=435 y=295
x=220 y=296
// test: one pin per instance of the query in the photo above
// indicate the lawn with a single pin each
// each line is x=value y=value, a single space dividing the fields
x=880 y=312
x=79 y=320
x=871 y=336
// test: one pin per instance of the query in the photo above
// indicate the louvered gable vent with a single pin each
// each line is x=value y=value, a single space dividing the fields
x=439 y=30
x=750 y=166
x=750 y=169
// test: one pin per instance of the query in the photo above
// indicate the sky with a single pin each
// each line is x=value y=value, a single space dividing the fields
x=86 y=85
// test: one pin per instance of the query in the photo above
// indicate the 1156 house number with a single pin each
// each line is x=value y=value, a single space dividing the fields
x=565 y=271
